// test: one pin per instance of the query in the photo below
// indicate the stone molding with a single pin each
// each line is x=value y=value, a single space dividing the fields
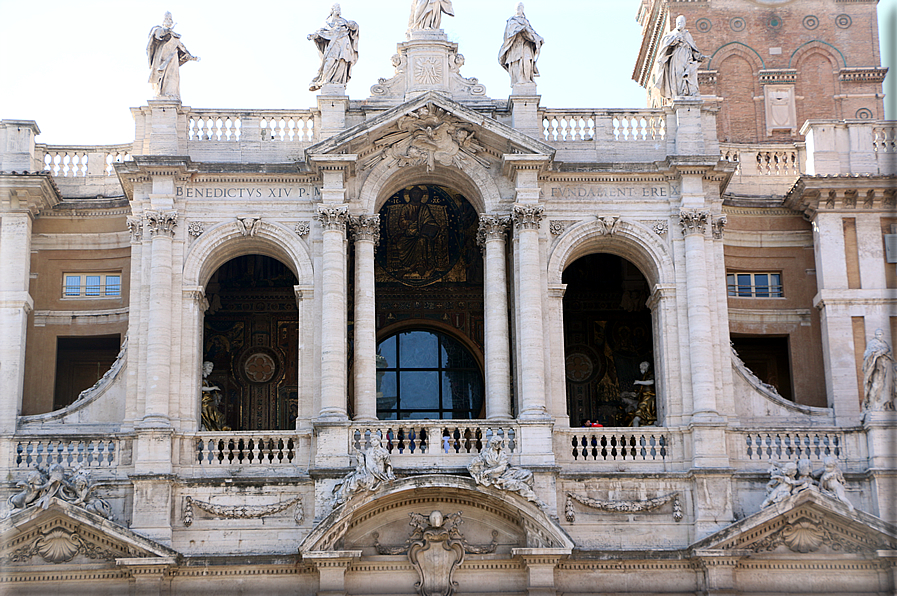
x=693 y=221
x=161 y=223
x=527 y=217
x=365 y=228
x=333 y=217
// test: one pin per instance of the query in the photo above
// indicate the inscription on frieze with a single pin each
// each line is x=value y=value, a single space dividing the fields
x=609 y=191
x=247 y=192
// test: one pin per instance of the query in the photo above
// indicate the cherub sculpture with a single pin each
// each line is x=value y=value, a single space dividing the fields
x=491 y=468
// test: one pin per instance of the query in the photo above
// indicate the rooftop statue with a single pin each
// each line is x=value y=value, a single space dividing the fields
x=520 y=49
x=337 y=42
x=427 y=14
x=676 y=69
x=166 y=54
x=878 y=374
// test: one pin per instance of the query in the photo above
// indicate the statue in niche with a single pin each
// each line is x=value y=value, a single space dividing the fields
x=676 y=70
x=492 y=468
x=646 y=411
x=520 y=50
x=427 y=14
x=166 y=55
x=878 y=374
x=212 y=418
x=337 y=42
x=372 y=467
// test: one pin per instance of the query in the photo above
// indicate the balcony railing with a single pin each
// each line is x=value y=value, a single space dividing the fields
x=82 y=160
x=437 y=437
x=231 y=126
x=603 y=125
x=88 y=452
x=762 y=160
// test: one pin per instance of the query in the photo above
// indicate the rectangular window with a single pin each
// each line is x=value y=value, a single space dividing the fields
x=755 y=285
x=91 y=285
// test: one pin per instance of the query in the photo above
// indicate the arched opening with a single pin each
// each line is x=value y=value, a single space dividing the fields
x=429 y=297
x=607 y=338
x=251 y=338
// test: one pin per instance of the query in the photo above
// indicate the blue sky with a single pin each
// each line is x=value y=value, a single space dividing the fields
x=76 y=67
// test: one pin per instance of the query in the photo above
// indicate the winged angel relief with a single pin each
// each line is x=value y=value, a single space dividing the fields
x=427 y=137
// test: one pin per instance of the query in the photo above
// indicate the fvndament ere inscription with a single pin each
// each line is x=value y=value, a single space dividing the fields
x=609 y=191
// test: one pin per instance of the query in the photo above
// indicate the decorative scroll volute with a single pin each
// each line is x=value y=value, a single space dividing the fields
x=693 y=221
x=365 y=228
x=161 y=223
x=333 y=217
x=492 y=227
x=527 y=217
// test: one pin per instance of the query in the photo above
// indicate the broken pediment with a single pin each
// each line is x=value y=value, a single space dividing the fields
x=64 y=533
x=485 y=520
x=429 y=130
x=807 y=522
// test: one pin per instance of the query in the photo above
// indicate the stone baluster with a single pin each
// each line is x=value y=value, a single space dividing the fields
x=333 y=220
x=531 y=380
x=366 y=234
x=491 y=238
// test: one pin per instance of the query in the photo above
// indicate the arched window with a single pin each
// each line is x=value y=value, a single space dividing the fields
x=427 y=374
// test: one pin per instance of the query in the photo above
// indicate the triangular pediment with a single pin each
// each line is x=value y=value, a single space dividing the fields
x=481 y=137
x=65 y=533
x=807 y=522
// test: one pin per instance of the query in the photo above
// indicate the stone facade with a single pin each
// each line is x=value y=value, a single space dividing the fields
x=560 y=265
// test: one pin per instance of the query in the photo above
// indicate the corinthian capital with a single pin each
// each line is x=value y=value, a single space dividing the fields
x=365 y=227
x=333 y=217
x=135 y=227
x=719 y=225
x=693 y=221
x=161 y=223
x=492 y=227
x=527 y=217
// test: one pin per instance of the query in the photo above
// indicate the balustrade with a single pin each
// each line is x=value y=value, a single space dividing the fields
x=753 y=160
x=231 y=449
x=780 y=446
x=82 y=161
x=617 y=446
x=88 y=452
x=884 y=139
x=591 y=125
x=203 y=126
x=433 y=438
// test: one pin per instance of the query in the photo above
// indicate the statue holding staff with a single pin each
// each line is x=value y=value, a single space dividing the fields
x=520 y=50
x=337 y=42
x=166 y=53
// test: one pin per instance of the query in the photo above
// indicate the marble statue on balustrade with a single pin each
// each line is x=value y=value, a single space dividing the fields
x=878 y=374
x=166 y=54
x=520 y=49
x=427 y=14
x=372 y=468
x=337 y=43
x=676 y=69
x=492 y=468
x=646 y=411
x=212 y=418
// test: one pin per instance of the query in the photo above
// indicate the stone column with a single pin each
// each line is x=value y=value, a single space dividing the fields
x=491 y=238
x=195 y=305
x=556 y=384
x=366 y=233
x=531 y=380
x=15 y=304
x=331 y=567
x=333 y=220
x=161 y=227
x=700 y=331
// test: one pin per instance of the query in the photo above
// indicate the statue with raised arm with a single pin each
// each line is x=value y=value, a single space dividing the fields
x=676 y=69
x=166 y=54
x=427 y=14
x=520 y=50
x=878 y=374
x=337 y=42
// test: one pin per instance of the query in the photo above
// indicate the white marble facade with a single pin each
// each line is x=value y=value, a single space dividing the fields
x=324 y=508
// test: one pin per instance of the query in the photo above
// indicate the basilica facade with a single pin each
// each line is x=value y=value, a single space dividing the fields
x=433 y=342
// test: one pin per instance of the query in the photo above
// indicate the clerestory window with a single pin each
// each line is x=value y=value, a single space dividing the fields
x=424 y=374
x=755 y=285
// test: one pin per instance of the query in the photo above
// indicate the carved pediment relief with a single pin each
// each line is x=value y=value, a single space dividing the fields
x=809 y=522
x=64 y=533
x=427 y=131
x=496 y=522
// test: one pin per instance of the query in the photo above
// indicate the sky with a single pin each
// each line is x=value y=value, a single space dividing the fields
x=77 y=67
